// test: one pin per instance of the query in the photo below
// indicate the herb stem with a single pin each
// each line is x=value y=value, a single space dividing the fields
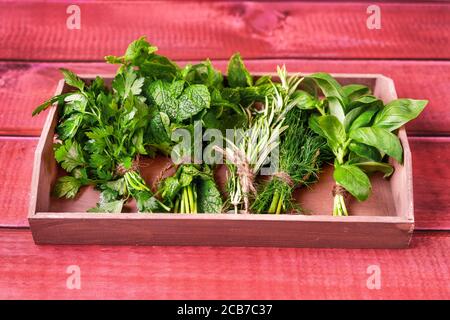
x=274 y=204
x=186 y=200
x=280 y=202
x=191 y=198
x=182 y=204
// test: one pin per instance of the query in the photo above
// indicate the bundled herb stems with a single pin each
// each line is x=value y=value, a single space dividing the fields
x=283 y=131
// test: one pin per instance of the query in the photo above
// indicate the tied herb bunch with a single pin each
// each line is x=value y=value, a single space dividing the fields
x=359 y=129
x=105 y=131
x=246 y=157
x=100 y=140
x=102 y=132
x=301 y=155
x=191 y=189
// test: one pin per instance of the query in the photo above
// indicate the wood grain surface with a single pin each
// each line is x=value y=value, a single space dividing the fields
x=23 y=86
x=412 y=47
x=431 y=181
x=108 y=272
x=198 y=29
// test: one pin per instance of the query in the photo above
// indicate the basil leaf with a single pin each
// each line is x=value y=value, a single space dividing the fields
x=351 y=116
x=305 y=101
x=354 y=180
x=336 y=109
x=333 y=130
x=398 y=112
x=365 y=101
x=365 y=151
x=364 y=119
x=237 y=73
x=380 y=139
x=369 y=167
x=354 y=91
x=313 y=123
x=329 y=86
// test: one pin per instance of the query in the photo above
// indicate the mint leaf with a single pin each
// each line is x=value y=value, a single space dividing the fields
x=237 y=73
x=194 y=99
x=209 y=199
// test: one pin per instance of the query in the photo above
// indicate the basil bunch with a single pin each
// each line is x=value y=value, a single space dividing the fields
x=360 y=131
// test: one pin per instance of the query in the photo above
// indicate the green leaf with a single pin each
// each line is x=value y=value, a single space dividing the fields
x=305 y=101
x=169 y=188
x=127 y=83
x=48 y=103
x=329 y=86
x=380 y=139
x=159 y=67
x=204 y=73
x=365 y=151
x=333 y=131
x=237 y=73
x=194 y=99
x=398 y=112
x=364 y=101
x=108 y=207
x=161 y=94
x=354 y=91
x=223 y=118
x=364 y=119
x=354 y=180
x=137 y=52
x=370 y=167
x=146 y=202
x=209 y=199
x=67 y=187
x=336 y=108
x=351 y=116
x=313 y=123
x=69 y=155
x=158 y=128
x=138 y=48
x=72 y=79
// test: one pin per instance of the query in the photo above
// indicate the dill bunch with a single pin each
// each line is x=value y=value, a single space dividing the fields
x=301 y=155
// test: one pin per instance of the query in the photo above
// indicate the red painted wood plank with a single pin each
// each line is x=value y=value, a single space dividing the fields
x=16 y=164
x=431 y=174
x=197 y=29
x=431 y=181
x=39 y=272
x=23 y=86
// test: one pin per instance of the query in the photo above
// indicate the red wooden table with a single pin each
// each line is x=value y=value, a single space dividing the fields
x=412 y=47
